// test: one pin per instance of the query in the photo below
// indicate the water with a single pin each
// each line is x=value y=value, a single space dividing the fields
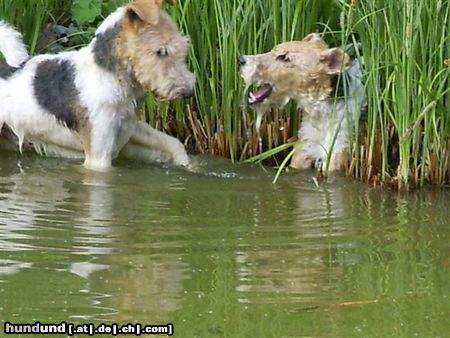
x=221 y=252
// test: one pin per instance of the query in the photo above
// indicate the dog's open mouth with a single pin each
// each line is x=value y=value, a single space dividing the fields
x=261 y=94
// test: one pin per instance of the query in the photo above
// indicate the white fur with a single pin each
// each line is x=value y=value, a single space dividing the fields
x=11 y=45
x=110 y=103
x=111 y=20
x=21 y=112
x=326 y=125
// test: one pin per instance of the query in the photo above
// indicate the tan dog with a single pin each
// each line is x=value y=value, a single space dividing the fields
x=85 y=103
x=306 y=71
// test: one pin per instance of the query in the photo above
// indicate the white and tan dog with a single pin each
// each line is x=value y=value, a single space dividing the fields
x=306 y=71
x=84 y=103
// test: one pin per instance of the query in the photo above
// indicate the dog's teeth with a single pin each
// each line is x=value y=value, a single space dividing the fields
x=252 y=98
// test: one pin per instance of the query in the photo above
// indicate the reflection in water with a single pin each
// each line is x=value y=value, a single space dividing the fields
x=341 y=233
x=295 y=270
x=9 y=267
x=69 y=213
x=34 y=201
x=212 y=250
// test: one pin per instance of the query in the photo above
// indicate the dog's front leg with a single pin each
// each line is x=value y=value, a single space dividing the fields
x=100 y=145
x=98 y=159
x=149 y=144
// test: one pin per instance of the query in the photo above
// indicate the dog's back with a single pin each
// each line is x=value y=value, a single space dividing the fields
x=19 y=111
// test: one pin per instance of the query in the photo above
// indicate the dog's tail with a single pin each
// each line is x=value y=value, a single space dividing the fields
x=12 y=46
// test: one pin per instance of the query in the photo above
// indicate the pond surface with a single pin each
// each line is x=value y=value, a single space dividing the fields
x=221 y=252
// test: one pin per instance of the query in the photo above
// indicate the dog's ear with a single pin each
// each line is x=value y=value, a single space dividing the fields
x=313 y=37
x=147 y=11
x=335 y=60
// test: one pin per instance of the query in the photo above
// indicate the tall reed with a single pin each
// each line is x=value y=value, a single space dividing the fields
x=31 y=16
x=406 y=50
x=405 y=45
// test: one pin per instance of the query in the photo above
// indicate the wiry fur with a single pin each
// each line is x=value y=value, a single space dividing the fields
x=91 y=109
x=304 y=71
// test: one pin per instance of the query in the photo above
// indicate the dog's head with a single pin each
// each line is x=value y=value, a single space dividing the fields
x=155 y=50
x=292 y=70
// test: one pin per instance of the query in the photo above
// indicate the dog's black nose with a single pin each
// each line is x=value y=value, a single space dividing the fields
x=188 y=93
x=242 y=60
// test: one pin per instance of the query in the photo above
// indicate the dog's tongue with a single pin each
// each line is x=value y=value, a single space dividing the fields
x=262 y=94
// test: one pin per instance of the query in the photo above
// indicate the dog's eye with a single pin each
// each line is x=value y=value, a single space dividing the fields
x=283 y=58
x=162 y=52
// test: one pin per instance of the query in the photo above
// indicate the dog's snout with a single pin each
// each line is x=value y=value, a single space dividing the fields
x=242 y=60
x=188 y=93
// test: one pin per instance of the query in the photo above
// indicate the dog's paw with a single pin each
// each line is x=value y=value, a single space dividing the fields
x=300 y=160
x=179 y=154
x=182 y=160
x=97 y=165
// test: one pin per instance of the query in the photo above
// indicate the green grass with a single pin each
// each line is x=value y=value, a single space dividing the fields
x=31 y=16
x=405 y=45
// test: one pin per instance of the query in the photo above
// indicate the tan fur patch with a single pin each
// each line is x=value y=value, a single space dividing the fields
x=152 y=46
x=147 y=10
x=301 y=67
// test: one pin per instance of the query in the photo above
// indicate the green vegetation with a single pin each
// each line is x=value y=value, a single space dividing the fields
x=31 y=16
x=405 y=137
x=406 y=49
